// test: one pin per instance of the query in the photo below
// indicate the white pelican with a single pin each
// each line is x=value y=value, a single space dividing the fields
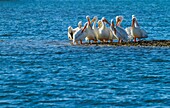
x=90 y=32
x=113 y=32
x=95 y=29
x=136 y=32
x=128 y=30
x=99 y=24
x=80 y=34
x=120 y=19
x=71 y=31
x=104 y=32
x=113 y=29
x=123 y=35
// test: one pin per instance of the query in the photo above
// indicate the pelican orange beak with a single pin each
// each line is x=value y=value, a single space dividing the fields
x=118 y=21
x=99 y=23
x=69 y=29
x=94 y=19
x=112 y=23
x=107 y=22
x=84 y=27
x=89 y=22
x=80 y=24
x=102 y=19
x=133 y=22
x=88 y=19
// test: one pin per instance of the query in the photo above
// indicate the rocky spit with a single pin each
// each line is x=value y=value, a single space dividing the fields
x=160 y=43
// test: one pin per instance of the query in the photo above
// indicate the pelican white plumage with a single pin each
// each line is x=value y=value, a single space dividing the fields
x=128 y=29
x=119 y=20
x=99 y=24
x=136 y=25
x=113 y=32
x=80 y=34
x=123 y=34
x=95 y=29
x=104 y=32
x=90 y=32
x=71 y=31
x=136 y=32
x=113 y=29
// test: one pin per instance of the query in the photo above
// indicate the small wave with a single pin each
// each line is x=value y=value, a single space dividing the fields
x=8 y=0
x=1 y=40
x=6 y=34
x=58 y=43
x=159 y=60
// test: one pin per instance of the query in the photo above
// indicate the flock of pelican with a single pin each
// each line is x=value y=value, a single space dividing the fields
x=103 y=33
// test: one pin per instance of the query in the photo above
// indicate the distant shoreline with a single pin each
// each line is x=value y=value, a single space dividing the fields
x=160 y=43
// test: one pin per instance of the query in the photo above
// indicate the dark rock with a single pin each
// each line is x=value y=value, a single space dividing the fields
x=160 y=43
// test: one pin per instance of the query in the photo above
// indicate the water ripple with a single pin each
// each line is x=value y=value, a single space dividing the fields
x=40 y=68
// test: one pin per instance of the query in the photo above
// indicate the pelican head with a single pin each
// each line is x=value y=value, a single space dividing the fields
x=88 y=17
x=70 y=29
x=112 y=26
x=95 y=18
x=103 y=19
x=112 y=23
x=80 y=24
x=99 y=23
x=119 y=19
x=133 y=16
x=136 y=22
x=80 y=34
x=133 y=21
x=89 y=23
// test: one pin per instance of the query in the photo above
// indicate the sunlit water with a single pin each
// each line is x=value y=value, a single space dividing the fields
x=39 y=67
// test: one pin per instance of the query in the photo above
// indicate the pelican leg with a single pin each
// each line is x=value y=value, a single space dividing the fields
x=92 y=41
x=71 y=43
x=101 y=41
x=139 y=39
x=119 y=40
x=95 y=41
x=106 y=41
x=81 y=42
x=111 y=41
x=89 y=42
x=134 y=39
x=77 y=43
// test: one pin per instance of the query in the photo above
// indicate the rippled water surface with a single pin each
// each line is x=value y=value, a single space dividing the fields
x=39 y=67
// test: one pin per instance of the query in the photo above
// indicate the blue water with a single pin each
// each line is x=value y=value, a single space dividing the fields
x=39 y=67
